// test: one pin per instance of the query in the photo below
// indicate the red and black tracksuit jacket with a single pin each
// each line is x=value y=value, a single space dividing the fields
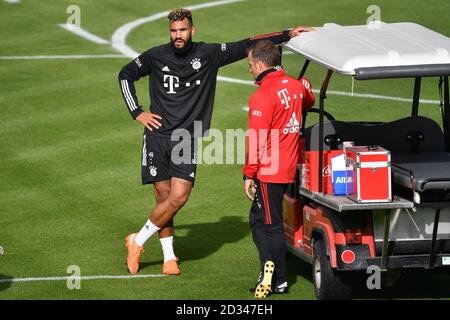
x=274 y=121
x=271 y=158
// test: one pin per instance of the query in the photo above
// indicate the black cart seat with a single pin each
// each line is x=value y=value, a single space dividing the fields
x=411 y=134
x=422 y=171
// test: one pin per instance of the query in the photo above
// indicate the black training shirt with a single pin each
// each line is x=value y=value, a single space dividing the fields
x=182 y=86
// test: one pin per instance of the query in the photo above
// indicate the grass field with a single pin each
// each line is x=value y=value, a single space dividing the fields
x=70 y=154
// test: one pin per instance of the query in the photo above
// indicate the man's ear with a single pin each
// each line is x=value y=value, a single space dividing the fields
x=193 y=30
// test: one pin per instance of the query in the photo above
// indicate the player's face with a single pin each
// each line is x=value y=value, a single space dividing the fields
x=181 y=32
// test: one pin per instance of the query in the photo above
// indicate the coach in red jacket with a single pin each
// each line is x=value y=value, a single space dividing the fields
x=272 y=149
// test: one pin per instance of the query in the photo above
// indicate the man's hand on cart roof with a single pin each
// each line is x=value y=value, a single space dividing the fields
x=249 y=184
x=149 y=119
x=297 y=30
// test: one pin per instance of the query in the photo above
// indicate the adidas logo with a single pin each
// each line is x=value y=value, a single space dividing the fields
x=293 y=125
x=165 y=69
x=192 y=175
x=138 y=62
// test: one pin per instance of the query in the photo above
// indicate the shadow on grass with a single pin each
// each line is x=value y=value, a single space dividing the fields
x=296 y=267
x=204 y=239
x=5 y=282
x=411 y=285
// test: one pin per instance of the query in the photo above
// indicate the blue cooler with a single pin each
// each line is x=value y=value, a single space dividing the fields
x=339 y=182
x=340 y=176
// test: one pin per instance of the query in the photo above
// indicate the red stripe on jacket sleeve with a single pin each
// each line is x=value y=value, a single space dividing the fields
x=267 y=35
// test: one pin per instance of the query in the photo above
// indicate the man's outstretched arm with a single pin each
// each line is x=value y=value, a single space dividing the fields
x=234 y=51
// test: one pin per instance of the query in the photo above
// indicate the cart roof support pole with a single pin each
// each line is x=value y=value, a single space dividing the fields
x=280 y=50
x=431 y=260
x=415 y=106
x=446 y=120
x=385 y=247
x=304 y=68
x=323 y=92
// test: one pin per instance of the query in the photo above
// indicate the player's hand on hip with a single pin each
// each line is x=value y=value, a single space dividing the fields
x=297 y=30
x=249 y=184
x=149 y=120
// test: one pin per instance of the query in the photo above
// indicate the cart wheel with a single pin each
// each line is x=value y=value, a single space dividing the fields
x=329 y=284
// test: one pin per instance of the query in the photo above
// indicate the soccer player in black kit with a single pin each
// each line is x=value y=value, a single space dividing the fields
x=182 y=87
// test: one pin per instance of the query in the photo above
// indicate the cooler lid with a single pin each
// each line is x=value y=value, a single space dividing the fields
x=367 y=149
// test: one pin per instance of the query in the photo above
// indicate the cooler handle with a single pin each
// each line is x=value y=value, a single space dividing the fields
x=372 y=147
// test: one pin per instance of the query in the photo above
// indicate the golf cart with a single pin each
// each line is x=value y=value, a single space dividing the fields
x=395 y=212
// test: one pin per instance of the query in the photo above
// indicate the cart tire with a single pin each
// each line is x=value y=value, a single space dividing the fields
x=329 y=284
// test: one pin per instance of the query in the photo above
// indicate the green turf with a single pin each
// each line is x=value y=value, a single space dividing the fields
x=70 y=153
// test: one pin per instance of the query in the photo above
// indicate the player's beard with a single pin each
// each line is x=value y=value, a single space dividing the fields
x=186 y=48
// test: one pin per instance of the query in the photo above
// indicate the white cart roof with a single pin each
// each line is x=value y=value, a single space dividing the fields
x=377 y=50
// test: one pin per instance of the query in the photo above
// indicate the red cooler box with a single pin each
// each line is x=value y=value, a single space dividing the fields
x=371 y=169
x=312 y=170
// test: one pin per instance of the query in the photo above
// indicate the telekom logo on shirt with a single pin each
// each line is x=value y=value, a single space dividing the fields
x=285 y=98
x=174 y=82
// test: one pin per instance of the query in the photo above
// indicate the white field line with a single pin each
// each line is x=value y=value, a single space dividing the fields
x=80 y=278
x=119 y=43
x=338 y=93
x=238 y=81
x=62 y=56
x=83 y=33
x=220 y=78
x=378 y=97
x=118 y=39
x=12 y=1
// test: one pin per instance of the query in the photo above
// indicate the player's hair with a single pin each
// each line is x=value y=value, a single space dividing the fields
x=266 y=52
x=180 y=14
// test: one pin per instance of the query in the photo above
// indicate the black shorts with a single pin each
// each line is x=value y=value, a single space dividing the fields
x=163 y=159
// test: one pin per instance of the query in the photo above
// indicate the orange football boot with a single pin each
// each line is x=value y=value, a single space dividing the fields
x=134 y=253
x=171 y=267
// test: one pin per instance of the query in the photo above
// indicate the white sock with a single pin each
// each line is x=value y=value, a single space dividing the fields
x=167 y=247
x=146 y=232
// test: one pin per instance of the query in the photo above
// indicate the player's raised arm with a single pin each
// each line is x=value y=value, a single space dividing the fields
x=234 y=51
